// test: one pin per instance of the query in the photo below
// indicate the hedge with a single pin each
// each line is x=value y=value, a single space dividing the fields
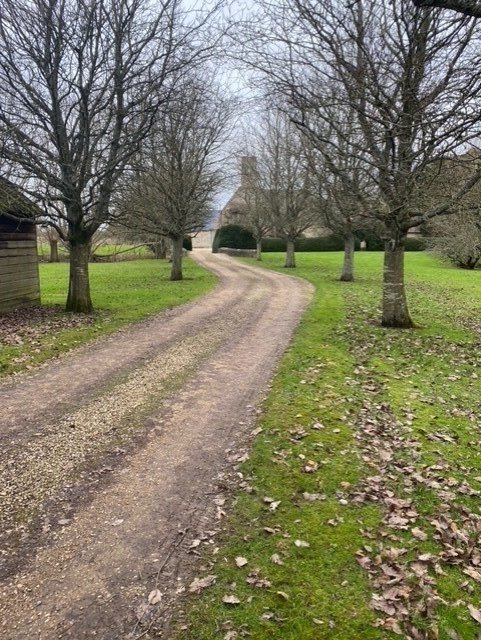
x=323 y=243
x=235 y=237
x=232 y=236
x=415 y=244
x=335 y=243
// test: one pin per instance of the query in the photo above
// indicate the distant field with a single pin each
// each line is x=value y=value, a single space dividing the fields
x=359 y=515
x=118 y=251
x=122 y=292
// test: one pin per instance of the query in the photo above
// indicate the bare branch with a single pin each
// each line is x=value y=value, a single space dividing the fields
x=466 y=7
x=405 y=73
x=177 y=172
x=81 y=85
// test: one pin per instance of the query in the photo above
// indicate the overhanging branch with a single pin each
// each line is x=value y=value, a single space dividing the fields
x=466 y=7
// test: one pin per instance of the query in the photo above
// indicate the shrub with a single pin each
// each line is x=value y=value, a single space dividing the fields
x=322 y=243
x=187 y=244
x=273 y=245
x=415 y=244
x=232 y=236
x=373 y=241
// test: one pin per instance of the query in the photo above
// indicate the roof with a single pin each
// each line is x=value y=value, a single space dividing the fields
x=13 y=202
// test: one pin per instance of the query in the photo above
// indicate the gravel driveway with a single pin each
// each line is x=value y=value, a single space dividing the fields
x=116 y=457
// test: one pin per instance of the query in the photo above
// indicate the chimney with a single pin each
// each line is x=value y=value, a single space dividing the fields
x=248 y=171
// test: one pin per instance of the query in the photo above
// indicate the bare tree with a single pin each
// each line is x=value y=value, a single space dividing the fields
x=48 y=235
x=458 y=238
x=178 y=171
x=255 y=212
x=340 y=214
x=339 y=177
x=285 y=182
x=407 y=74
x=81 y=83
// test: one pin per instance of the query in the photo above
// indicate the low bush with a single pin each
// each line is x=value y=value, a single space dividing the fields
x=415 y=244
x=375 y=243
x=232 y=236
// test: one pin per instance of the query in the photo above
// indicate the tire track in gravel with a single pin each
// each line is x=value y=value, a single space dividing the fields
x=99 y=569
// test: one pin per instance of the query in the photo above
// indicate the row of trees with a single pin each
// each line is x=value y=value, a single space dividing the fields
x=278 y=194
x=105 y=115
x=384 y=92
x=87 y=88
x=289 y=188
x=168 y=192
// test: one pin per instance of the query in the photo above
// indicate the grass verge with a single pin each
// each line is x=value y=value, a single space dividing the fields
x=122 y=292
x=358 y=514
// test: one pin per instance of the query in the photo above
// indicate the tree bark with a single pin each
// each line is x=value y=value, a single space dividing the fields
x=290 y=262
x=53 y=251
x=159 y=248
x=162 y=247
x=466 y=7
x=78 y=298
x=176 y=271
x=347 y=274
x=259 y=249
x=395 y=311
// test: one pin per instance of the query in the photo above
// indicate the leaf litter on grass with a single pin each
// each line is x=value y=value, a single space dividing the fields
x=25 y=332
x=409 y=407
x=403 y=573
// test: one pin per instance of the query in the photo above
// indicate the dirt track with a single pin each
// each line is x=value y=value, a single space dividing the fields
x=119 y=455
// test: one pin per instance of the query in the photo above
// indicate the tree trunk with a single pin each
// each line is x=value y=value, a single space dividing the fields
x=78 y=298
x=161 y=248
x=290 y=262
x=395 y=311
x=347 y=274
x=176 y=271
x=53 y=251
x=259 y=249
x=469 y=263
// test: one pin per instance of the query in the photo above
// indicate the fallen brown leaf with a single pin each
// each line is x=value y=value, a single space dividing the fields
x=419 y=534
x=475 y=613
x=241 y=562
x=201 y=583
x=155 y=597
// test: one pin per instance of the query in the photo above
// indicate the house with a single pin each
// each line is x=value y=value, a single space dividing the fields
x=234 y=210
x=19 y=279
x=203 y=239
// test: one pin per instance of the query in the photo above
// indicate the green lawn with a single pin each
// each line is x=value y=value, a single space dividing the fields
x=370 y=442
x=117 y=252
x=122 y=292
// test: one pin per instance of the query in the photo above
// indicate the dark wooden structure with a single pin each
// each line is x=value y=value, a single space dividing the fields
x=19 y=279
